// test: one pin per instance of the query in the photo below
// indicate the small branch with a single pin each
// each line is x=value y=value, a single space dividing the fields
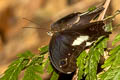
x=113 y=16
x=116 y=26
x=30 y=61
x=76 y=75
x=106 y=5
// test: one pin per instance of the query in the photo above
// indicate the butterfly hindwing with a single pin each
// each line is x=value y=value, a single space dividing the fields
x=62 y=53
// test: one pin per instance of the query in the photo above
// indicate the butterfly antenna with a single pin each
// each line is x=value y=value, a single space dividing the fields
x=31 y=21
x=37 y=28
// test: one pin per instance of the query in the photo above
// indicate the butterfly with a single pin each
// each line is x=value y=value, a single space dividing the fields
x=73 y=34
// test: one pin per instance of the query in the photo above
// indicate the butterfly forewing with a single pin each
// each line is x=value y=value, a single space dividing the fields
x=78 y=18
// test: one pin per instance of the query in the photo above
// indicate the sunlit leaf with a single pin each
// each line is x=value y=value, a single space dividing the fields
x=49 y=68
x=14 y=69
x=91 y=8
x=54 y=76
x=94 y=57
x=43 y=50
x=27 y=54
x=31 y=74
x=113 y=73
x=81 y=64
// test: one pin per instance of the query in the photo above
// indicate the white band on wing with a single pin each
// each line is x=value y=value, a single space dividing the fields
x=80 y=40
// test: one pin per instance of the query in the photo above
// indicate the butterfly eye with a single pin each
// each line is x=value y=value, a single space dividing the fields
x=50 y=33
x=63 y=62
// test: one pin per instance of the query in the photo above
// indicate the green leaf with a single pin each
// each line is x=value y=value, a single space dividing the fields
x=109 y=61
x=38 y=59
x=92 y=8
x=92 y=65
x=81 y=64
x=101 y=42
x=55 y=76
x=113 y=73
x=38 y=68
x=112 y=57
x=49 y=68
x=94 y=57
x=43 y=50
x=44 y=64
x=33 y=73
x=116 y=62
x=27 y=54
x=114 y=50
x=14 y=69
x=117 y=38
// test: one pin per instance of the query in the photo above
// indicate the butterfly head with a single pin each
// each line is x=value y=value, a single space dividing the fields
x=50 y=33
x=57 y=27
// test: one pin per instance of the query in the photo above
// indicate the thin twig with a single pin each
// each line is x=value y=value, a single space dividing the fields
x=76 y=75
x=106 y=5
x=112 y=16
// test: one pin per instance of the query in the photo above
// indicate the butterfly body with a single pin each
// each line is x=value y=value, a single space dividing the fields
x=66 y=45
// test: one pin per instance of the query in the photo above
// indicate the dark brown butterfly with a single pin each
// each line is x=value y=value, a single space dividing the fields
x=73 y=34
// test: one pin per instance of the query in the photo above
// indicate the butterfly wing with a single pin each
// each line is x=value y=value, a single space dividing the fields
x=86 y=17
x=65 y=46
x=62 y=54
x=65 y=22
x=75 y=18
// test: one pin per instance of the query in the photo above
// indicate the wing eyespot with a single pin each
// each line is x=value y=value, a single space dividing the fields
x=63 y=62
